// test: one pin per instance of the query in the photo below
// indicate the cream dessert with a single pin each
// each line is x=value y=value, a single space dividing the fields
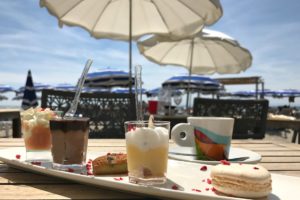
x=147 y=153
x=69 y=140
x=35 y=128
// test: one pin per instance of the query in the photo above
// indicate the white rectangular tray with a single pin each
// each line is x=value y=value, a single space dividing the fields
x=187 y=177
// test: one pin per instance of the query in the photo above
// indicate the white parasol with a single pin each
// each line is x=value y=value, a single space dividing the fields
x=131 y=19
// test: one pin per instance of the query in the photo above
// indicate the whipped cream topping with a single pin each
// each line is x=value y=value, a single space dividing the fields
x=35 y=116
x=148 y=138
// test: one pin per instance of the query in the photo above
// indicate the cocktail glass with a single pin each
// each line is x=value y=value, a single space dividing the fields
x=69 y=142
x=36 y=133
x=147 y=151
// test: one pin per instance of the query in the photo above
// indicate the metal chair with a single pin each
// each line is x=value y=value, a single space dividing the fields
x=107 y=111
x=250 y=115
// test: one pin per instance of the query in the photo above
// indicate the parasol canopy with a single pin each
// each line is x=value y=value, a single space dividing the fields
x=29 y=98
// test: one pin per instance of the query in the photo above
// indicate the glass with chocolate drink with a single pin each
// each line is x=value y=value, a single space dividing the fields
x=69 y=142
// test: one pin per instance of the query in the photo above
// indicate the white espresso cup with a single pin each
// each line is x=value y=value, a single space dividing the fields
x=211 y=136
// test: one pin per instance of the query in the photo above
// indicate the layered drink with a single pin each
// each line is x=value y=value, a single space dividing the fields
x=36 y=132
x=69 y=140
x=147 y=152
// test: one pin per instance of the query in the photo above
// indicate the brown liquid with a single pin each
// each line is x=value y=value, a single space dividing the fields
x=69 y=140
x=40 y=138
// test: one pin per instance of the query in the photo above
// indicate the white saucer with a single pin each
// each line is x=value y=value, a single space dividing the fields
x=189 y=155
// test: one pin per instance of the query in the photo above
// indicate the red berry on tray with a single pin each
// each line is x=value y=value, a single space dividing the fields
x=174 y=187
x=70 y=170
x=208 y=181
x=196 y=190
x=224 y=162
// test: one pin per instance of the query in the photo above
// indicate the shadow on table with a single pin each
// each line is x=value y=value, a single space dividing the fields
x=37 y=186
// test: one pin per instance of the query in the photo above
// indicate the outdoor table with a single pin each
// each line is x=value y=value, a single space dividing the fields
x=14 y=115
x=277 y=157
x=287 y=124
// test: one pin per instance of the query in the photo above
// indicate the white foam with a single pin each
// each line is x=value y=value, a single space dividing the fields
x=148 y=138
x=37 y=116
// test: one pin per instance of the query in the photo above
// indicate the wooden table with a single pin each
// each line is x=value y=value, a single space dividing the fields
x=14 y=115
x=281 y=158
x=283 y=123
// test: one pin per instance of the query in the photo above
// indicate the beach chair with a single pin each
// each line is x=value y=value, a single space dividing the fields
x=250 y=115
x=107 y=111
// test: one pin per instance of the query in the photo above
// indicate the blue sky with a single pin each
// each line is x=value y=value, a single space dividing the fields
x=31 y=39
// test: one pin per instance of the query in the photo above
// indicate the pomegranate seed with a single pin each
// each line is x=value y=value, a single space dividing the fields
x=208 y=181
x=70 y=170
x=196 y=190
x=36 y=163
x=213 y=189
x=119 y=179
x=18 y=156
x=203 y=168
x=174 y=187
x=207 y=189
x=256 y=168
x=88 y=167
x=224 y=162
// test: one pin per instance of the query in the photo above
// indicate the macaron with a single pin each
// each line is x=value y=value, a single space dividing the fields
x=241 y=180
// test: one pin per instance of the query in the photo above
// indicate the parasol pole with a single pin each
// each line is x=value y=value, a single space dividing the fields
x=130 y=47
x=190 y=73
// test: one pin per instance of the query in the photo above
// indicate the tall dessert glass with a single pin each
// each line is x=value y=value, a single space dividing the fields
x=36 y=133
x=147 y=151
x=69 y=142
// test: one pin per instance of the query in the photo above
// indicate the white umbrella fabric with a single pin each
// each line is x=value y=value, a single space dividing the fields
x=110 y=18
x=131 y=19
x=206 y=53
